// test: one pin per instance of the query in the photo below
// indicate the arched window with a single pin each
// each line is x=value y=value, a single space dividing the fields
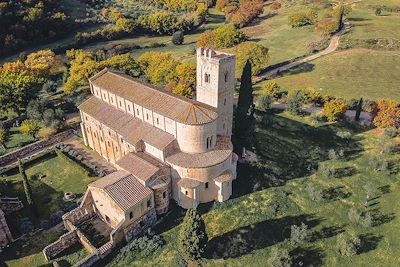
x=206 y=185
x=226 y=77
x=207 y=78
x=164 y=194
x=131 y=215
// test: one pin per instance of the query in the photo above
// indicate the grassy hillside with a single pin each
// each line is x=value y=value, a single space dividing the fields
x=273 y=195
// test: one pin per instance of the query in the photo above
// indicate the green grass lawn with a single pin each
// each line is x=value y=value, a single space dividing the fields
x=60 y=177
x=271 y=196
x=16 y=140
x=349 y=74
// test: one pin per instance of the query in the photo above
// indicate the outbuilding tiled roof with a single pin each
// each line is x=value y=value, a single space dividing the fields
x=172 y=106
x=138 y=167
x=130 y=128
x=124 y=189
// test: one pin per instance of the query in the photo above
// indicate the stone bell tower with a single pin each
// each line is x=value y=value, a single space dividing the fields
x=216 y=84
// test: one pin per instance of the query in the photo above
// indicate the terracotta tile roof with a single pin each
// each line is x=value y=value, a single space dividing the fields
x=130 y=128
x=172 y=106
x=224 y=177
x=124 y=189
x=221 y=152
x=188 y=183
x=138 y=167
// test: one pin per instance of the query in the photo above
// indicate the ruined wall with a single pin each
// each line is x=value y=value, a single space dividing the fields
x=5 y=234
x=65 y=241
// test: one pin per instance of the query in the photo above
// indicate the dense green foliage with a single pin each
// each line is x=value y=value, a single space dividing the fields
x=257 y=54
x=222 y=37
x=244 y=110
x=192 y=238
x=26 y=22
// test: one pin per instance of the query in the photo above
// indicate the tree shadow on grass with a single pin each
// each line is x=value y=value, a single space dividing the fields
x=303 y=68
x=307 y=256
x=335 y=193
x=385 y=189
x=326 y=232
x=289 y=150
x=243 y=240
x=368 y=242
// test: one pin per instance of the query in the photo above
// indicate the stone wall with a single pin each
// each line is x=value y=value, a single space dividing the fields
x=64 y=242
x=88 y=261
x=140 y=226
x=33 y=148
x=5 y=234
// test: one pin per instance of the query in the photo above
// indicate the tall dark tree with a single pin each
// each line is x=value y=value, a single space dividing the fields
x=245 y=108
x=340 y=16
x=358 y=111
x=27 y=186
x=192 y=237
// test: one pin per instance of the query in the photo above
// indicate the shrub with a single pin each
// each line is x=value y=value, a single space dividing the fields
x=275 y=5
x=314 y=193
x=222 y=37
x=391 y=132
x=279 y=258
x=327 y=26
x=295 y=102
x=347 y=246
x=388 y=114
x=255 y=53
x=177 y=38
x=26 y=226
x=307 y=17
x=221 y=4
x=29 y=127
x=46 y=132
x=298 y=234
x=334 y=110
x=247 y=11
x=264 y=103
x=272 y=88
x=378 y=11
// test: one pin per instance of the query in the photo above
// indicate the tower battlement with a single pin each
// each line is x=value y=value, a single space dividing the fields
x=210 y=54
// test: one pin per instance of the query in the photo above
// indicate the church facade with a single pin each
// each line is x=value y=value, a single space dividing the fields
x=165 y=147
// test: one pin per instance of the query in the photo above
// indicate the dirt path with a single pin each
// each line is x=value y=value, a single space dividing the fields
x=333 y=45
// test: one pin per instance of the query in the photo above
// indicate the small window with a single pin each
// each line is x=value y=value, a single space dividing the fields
x=130 y=215
x=109 y=144
x=164 y=194
x=109 y=133
x=206 y=185
x=138 y=112
x=148 y=203
x=129 y=108
x=111 y=100
x=223 y=126
x=94 y=134
x=86 y=118
x=120 y=103
x=158 y=122
x=207 y=78
x=226 y=77
x=116 y=149
x=101 y=139
x=122 y=140
x=186 y=192
x=225 y=102
x=147 y=116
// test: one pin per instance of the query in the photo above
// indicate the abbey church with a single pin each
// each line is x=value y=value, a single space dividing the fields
x=164 y=146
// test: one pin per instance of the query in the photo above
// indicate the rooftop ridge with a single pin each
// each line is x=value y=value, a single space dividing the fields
x=158 y=89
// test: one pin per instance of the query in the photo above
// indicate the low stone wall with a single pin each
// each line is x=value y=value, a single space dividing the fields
x=65 y=241
x=33 y=148
x=86 y=243
x=88 y=261
x=140 y=226
x=76 y=216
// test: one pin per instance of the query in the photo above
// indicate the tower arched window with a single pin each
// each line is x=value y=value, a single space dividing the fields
x=226 y=76
x=207 y=78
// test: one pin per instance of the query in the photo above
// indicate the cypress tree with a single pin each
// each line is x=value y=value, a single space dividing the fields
x=192 y=237
x=340 y=16
x=358 y=111
x=245 y=107
x=27 y=186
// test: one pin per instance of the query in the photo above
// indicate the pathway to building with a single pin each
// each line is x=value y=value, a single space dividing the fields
x=331 y=48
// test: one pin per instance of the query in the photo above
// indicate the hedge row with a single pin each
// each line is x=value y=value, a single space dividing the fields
x=69 y=153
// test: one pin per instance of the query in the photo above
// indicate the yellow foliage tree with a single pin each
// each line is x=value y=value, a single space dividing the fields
x=388 y=114
x=183 y=90
x=158 y=67
x=40 y=63
x=255 y=53
x=334 y=109
x=29 y=127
